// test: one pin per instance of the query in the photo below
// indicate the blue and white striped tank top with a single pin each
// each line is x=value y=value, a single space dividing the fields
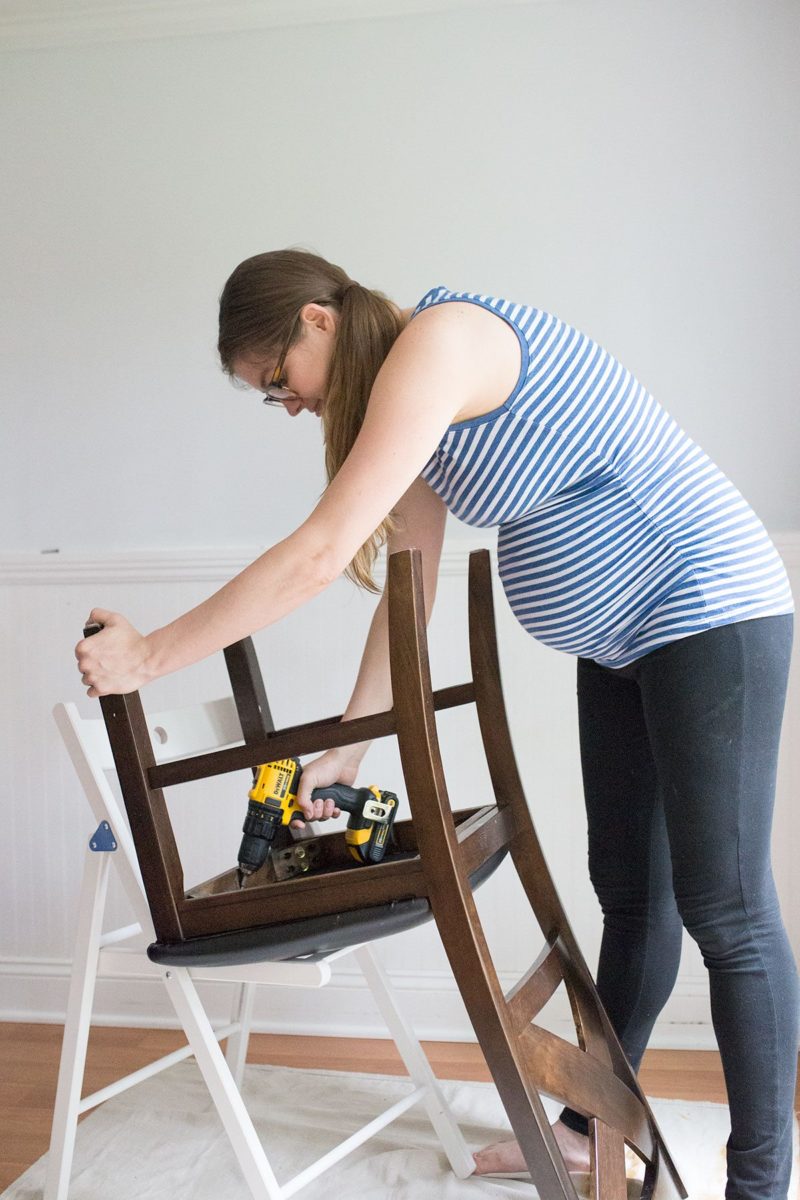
x=617 y=533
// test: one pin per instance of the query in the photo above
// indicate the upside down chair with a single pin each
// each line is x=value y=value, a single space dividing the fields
x=304 y=921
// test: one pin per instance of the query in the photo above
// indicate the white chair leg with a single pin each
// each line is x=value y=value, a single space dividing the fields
x=236 y=1049
x=94 y=888
x=417 y=1064
x=219 y=1081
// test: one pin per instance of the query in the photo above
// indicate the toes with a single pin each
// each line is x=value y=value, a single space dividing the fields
x=499 y=1156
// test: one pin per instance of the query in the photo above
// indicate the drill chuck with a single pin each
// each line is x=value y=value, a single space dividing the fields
x=259 y=832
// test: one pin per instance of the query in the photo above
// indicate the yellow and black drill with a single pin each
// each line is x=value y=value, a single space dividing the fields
x=273 y=802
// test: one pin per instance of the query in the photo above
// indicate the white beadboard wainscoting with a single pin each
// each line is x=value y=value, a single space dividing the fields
x=310 y=660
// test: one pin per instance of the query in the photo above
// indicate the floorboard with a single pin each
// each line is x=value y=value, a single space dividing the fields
x=29 y=1056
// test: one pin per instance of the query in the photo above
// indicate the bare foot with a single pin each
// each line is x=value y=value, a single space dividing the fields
x=507 y=1156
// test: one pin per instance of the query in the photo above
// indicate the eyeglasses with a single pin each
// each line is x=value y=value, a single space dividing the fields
x=274 y=393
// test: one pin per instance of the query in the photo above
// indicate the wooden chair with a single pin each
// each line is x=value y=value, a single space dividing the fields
x=439 y=858
x=290 y=961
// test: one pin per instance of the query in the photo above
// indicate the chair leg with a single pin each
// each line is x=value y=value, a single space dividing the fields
x=222 y=1088
x=480 y=990
x=416 y=1062
x=607 y=1159
x=94 y=888
x=236 y=1049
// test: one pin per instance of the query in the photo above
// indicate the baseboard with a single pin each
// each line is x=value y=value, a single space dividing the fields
x=37 y=992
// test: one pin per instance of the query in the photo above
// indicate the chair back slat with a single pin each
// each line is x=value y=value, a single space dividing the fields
x=174 y=733
x=195 y=729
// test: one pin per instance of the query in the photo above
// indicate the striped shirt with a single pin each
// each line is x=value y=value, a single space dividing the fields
x=617 y=533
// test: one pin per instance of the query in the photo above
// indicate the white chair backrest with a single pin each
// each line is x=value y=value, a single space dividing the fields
x=195 y=729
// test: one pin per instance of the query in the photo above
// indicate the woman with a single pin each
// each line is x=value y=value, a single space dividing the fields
x=619 y=542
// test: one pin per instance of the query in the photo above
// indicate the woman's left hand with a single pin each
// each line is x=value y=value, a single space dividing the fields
x=113 y=661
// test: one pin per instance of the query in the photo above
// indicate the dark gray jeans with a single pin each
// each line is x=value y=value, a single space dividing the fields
x=679 y=752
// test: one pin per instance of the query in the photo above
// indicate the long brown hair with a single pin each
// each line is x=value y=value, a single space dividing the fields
x=258 y=306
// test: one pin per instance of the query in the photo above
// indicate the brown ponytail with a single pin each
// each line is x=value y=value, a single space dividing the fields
x=258 y=306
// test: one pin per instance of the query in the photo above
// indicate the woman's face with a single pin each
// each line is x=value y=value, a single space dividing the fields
x=305 y=368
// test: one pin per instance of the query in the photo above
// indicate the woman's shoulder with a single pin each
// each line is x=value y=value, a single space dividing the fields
x=465 y=333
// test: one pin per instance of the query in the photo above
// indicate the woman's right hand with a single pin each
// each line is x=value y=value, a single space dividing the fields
x=333 y=766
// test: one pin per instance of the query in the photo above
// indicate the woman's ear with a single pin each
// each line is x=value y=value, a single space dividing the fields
x=319 y=316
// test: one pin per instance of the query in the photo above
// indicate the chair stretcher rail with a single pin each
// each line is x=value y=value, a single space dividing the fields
x=484 y=834
x=529 y=994
x=311 y=738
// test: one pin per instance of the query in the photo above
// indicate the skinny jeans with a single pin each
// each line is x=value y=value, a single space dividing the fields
x=679 y=755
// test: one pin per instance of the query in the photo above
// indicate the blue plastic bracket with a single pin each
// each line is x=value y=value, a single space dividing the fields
x=103 y=838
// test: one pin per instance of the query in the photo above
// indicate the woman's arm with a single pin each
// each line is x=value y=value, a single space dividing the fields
x=422 y=515
x=433 y=369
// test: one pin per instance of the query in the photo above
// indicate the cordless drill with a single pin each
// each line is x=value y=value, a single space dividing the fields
x=273 y=802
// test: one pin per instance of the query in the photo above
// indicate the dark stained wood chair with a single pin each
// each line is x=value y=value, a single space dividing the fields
x=439 y=857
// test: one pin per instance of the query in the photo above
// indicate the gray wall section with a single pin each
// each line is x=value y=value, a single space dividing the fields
x=627 y=164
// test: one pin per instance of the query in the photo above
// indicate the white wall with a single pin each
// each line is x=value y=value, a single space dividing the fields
x=631 y=165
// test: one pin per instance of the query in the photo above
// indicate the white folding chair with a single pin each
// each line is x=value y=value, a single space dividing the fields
x=123 y=951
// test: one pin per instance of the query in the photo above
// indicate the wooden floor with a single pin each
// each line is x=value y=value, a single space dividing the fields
x=29 y=1068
